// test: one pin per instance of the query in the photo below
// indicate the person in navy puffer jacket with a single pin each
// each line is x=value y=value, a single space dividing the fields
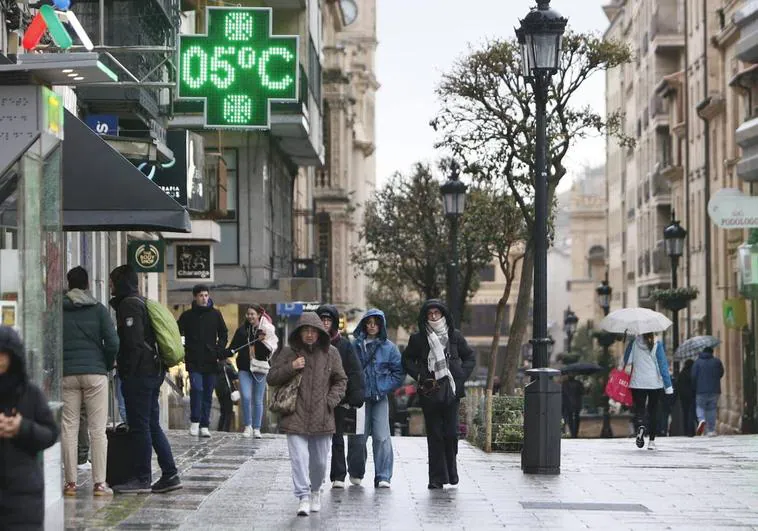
x=706 y=376
x=382 y=373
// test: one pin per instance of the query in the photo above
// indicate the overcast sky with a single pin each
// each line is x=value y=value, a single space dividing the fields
x=420 y=39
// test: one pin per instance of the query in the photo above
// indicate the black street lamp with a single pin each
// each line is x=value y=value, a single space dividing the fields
x=673 y=238
x=540 y=38
x=453 y=201
x=605 y=339
x=570 y=321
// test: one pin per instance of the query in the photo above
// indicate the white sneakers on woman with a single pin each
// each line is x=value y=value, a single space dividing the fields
x=304 y=508
x=248 y=431
x=315 y=502
x=257 y=434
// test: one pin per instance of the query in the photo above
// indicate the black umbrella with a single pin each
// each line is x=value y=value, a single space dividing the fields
x=581 y=367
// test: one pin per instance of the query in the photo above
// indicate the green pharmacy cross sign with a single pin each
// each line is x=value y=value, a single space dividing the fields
x=238 y=67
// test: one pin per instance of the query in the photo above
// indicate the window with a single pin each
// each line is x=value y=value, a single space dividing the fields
x=482 y=320
x=227 y=251
x=487 y=273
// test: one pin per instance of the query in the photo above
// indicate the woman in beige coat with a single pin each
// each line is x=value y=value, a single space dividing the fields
x=310 y=427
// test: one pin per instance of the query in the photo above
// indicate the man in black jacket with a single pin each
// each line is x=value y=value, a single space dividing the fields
x=353 y=395
x=142 y=374
x=205 y=336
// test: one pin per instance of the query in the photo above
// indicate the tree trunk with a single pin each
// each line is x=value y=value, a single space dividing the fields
x=493 y=366
x=519 y=325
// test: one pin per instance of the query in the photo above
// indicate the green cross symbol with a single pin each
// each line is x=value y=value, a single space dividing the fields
x=238 y=67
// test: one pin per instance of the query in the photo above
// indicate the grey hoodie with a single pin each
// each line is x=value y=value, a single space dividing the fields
x=90 y=342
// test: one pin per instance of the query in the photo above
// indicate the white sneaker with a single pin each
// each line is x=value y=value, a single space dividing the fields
x=304 y=508
x=355 y=481
x=651 y=445
x=383 y=485
x=257 y=434
x=205 y=432
x=315 y=502
x=338 y=484
x=248 y=432
x=195 y=429
x=711 y=434
x=85 y=466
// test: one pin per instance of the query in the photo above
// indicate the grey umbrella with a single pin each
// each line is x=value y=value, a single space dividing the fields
x=694 y=346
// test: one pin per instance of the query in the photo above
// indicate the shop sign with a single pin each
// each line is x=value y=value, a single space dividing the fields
x=147 y=256
x=238 y=67
x=735 y=315
x=193 y=261
x=51 y=19
x=103 y=124
x=184 y=179
x=729 y=208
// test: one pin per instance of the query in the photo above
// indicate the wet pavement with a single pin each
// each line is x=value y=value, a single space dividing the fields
x=235 y=483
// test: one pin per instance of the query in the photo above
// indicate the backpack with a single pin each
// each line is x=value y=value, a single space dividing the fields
x=167 y=336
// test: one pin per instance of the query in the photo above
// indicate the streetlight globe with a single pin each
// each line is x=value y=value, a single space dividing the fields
x=604 y=295
x=570 y=321
x=539 y=38
x=453 y=193
x=673 y=237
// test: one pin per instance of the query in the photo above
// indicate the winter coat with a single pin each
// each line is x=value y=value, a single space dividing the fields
x=707 y=373
x=380 y=360
x=323 y=382
x=685 y=384
x=22 y=482
x=137 y=353
x=244 y=335
x=461 y=359
x=90 y=342
x=205 y=337
x=660 y=362
x=572 y=392
x=350 y=362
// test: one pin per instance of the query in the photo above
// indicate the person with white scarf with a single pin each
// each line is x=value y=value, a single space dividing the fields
x=440 y=360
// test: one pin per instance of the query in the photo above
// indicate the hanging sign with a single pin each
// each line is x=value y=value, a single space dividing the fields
x=193 y=261
x=729 y=208
x=51 y=19
x=238 y=67
x=146 y=256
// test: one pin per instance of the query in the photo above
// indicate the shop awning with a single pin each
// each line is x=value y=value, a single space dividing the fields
x=102 y=191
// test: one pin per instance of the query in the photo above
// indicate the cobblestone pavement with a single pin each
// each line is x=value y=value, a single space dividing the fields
x=236 y=483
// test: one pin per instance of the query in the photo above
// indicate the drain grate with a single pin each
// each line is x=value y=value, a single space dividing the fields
x=562 y=506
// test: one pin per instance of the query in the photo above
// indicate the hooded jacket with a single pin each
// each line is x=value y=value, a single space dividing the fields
x=350 y=362
x=323 y=382
x=707 y=373
x=461 y=359
x=381 y=362
x=22 y=483
x=90 y=342
x=137 y=354
x=205 y=337
x=638 y=347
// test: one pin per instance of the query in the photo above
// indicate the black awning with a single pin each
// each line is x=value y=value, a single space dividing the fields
x=103 y=191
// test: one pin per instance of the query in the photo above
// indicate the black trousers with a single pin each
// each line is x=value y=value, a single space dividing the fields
x=227 y=411
x=646 y=401
x=442 y=441
x=338 y=470
x=572 y=422
x=688 y=414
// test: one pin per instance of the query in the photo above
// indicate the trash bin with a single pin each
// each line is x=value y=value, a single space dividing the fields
x=542 y=423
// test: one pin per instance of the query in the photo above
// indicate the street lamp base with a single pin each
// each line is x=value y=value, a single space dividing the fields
x=542 y=470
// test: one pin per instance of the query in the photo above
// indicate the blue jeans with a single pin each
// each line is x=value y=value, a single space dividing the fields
x=201 y=397
x=707 y=405
x=378 y=427
x=120 y=397
x=142 y=412
x=252 y=389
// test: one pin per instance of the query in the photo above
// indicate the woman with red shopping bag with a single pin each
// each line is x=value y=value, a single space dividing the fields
x=649 y=376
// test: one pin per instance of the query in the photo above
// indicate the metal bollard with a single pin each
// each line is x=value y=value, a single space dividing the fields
x=542 y=423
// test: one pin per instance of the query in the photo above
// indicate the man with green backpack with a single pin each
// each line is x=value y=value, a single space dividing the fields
x=148 y=345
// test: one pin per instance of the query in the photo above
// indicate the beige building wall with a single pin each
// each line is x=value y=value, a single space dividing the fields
x=682 y=85
x=348 y=178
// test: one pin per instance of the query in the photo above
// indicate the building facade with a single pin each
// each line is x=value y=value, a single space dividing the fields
x=686 y=101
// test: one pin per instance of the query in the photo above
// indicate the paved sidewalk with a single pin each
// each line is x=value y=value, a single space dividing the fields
x=236 y=483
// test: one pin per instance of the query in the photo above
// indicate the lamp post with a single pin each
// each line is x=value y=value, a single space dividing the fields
x=605 y=339
x=453 y=201
x=539 y=37
x=569 y=325
x=673 y=237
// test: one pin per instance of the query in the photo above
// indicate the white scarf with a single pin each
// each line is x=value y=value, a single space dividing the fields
x=438 y=339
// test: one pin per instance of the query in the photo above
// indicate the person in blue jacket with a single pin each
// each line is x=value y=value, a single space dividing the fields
x=706 y=377
x=382 y=373
x=650 y=376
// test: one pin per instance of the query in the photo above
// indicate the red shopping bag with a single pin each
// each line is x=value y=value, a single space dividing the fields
x=617 y=387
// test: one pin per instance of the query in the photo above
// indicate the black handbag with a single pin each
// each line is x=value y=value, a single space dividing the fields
x=436 y=391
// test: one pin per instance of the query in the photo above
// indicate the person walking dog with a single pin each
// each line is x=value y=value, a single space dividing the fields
x=440 y=360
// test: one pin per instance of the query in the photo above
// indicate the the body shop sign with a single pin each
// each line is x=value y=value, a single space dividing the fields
x=729 y=208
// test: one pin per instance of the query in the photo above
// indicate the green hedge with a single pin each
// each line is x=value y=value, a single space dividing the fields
x=507 y=422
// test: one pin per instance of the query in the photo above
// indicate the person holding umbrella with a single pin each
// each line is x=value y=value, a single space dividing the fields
x=650 y=375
